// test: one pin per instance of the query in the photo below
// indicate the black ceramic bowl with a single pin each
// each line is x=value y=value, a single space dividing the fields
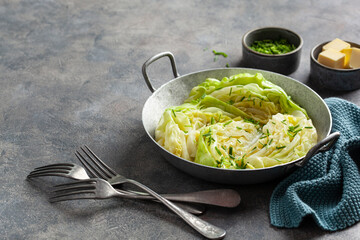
x=331 y=78
x=280 y=63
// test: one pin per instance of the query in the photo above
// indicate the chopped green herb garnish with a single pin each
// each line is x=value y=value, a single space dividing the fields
x=231 y=102
x=263 y=145
x=230 y=150
x=292 y=131
x=281 y=147
x=233 y=163
x=269 y=46
x=218 y=151
x=185 y=131
x=250 y=120
x=290 y=134
x=230 y=92
x=238 y=141
x=231 y=153
x=308 y=127
x=292 y=128
x=239 y=128
x=227 y=65
x=242 y=163
x=223 y=148
x=267 y=134
x=212 y=120
x=227 y=123
x=253 y=149
x=211 y=139
x=270 y=141
x=243 y=166
x=173 y=112
x=242 y=98
x=283 y=121
x=208 y=133
x=220 y=53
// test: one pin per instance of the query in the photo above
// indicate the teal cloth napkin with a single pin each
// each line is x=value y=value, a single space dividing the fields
x=328 y=186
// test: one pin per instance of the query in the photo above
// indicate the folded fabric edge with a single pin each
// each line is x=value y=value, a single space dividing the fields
x=280 y=221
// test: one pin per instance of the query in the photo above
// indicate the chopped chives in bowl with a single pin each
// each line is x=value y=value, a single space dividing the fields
x=269 y=46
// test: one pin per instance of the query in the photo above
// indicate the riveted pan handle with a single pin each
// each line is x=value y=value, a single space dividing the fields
x=323 y=145
x=153 y=59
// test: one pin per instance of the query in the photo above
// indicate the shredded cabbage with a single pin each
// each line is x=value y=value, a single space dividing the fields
x=243 y=121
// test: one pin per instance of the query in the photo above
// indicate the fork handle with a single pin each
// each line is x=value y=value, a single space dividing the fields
x=195 y=209
x=218 y=197
x=204 y=228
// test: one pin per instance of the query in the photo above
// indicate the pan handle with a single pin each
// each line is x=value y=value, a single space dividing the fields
x=323 y=145
x=153 y=59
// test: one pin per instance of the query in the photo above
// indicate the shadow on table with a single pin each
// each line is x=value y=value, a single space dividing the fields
x=241 y=63
x=323 y=91
x=86 y=209
x=142 y=161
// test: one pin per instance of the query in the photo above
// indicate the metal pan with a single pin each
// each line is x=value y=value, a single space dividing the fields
x=177 y=90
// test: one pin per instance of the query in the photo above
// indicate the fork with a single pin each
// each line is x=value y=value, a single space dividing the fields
x=206 y=229
x=217 y=197
x=76 y=172
x=96 y=188
x=69 y=170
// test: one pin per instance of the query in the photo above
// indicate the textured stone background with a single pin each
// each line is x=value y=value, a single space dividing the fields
x=70 y=74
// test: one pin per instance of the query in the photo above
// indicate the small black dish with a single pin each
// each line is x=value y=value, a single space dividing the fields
x=281 y=63
x=331 y=78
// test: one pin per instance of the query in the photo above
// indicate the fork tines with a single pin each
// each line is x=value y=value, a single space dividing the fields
x=51 y=170
x=95 y=166
x=82 y=189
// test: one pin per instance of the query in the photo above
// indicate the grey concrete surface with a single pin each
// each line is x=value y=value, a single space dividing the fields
x=70 y=74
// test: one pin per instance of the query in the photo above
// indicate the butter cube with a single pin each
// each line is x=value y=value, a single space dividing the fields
x=347 y=52
x=332 y=58
x=355 y=58
x=336 y=44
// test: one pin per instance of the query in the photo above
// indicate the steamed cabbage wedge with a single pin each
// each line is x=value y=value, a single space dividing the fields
x=243 y=121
